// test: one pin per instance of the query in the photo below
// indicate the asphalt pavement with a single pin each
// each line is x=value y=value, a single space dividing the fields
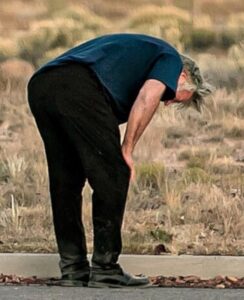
x=57 y=293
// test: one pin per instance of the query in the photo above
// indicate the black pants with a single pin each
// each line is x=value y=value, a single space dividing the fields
x=82 y=141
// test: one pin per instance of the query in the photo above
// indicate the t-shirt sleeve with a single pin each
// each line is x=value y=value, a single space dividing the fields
x=167 y=69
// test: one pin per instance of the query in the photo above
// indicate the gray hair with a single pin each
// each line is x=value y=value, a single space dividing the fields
x=197 y=84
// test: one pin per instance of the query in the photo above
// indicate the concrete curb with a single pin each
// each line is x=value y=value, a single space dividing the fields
x=46 y=265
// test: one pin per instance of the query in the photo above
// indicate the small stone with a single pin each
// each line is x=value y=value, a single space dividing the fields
x=232 y=279
x=219 y=279
x=155 y=280
x=228 y=284
x=167 y=282
x=191 y=278
x=220 y=286
x=179 y=281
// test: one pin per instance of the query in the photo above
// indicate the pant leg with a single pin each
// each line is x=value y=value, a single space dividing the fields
x=108 y=176
x=66 y=178
x=91 y=125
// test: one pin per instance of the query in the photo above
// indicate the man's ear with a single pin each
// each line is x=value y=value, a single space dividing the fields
x=182 y=77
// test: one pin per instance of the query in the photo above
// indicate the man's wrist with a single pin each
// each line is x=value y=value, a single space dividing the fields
x=127 y=149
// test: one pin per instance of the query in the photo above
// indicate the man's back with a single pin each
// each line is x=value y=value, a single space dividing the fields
x=123 y=62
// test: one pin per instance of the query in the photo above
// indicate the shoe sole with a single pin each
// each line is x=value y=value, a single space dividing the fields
x=68 y=283
x=95 y=284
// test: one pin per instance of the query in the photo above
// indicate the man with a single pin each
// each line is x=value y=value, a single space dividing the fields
x=78 y=100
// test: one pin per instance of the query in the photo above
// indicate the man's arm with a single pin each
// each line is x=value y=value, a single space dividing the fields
x=141 y=113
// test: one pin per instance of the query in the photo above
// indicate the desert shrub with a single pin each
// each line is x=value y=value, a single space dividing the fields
x=210 y=205
x=25 y=181
x=195 y=175
x=214 y=125
x=161 y=235
x=175 y=132
x=59 y=32
x=148 y=14
x=226 y=38
x=235 y=22
x=198 y=160
x=8 y=48
x=137 y=242
x=224 y=167
x=162 y=30
x=17 y=68
x=90 y=21
x=47 y=35
x=222 y=72
x=236 y=53
x=223 y=152
x=16 y=71
x=233 y=127
x=225 y=104
x=237 y=18
x=202 y=21
x=14 y=74
x=166 y=22
x=150 y=177
x=184 y=155
x=55 y=5
x=215 y=138
x=235 y=131
x=221 y=8
x=201 y=38
x=233 y=32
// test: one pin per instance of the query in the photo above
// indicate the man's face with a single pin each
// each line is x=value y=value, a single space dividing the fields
x=181 y=94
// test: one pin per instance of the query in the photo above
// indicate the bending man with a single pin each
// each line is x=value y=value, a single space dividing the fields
x=78 y=100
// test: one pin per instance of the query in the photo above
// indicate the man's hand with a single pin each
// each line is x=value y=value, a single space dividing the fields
x=141 y=113
x=129 y=160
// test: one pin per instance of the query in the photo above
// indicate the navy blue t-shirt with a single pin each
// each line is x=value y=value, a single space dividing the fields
x=123 y=62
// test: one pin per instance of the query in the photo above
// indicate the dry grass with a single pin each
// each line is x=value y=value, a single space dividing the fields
x=188 y=195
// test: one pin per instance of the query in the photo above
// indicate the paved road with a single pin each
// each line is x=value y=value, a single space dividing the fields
x=57 y=293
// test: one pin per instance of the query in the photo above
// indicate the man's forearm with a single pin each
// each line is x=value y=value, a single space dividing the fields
x=140 y=115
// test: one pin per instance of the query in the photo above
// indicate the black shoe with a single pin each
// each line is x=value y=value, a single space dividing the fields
x=75 y=280
x=115 y=278
x=71 y=280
